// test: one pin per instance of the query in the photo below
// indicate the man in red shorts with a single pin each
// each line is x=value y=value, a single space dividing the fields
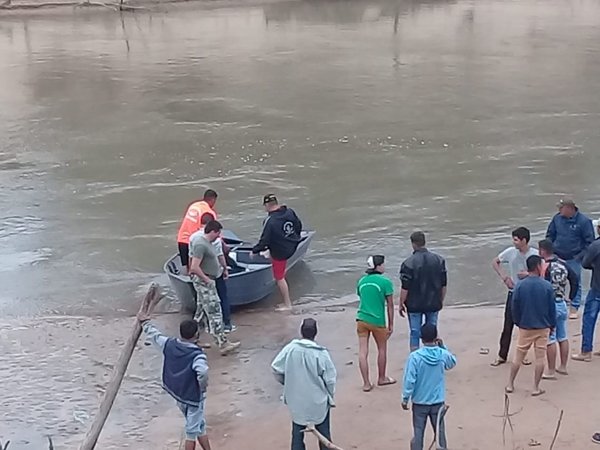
x=281 y=236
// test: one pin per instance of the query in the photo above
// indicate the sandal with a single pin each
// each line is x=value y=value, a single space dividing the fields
x=498 y=362
x=387 y=382
x=538 y=393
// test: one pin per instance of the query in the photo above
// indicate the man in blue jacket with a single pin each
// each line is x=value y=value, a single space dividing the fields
x=424 y=383
x=184 y=376
x=571 y=233
x=281 y=235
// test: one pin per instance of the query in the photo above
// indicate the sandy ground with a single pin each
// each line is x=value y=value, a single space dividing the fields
x=54 y=370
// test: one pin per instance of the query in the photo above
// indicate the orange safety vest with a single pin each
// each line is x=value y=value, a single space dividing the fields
x=191 y=220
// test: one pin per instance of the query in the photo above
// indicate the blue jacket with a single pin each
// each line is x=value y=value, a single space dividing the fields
x=534 y=304
x=424 y=378
x=571 y=237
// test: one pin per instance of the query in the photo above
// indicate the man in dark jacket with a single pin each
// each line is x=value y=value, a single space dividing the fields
x=424 y=281
x=571 y=233
x=184 y=376
x=591 y=261
x=280 y=236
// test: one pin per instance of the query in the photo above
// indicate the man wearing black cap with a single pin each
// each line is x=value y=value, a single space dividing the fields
x=308 y=376
x=571 y=233
x=281 y=236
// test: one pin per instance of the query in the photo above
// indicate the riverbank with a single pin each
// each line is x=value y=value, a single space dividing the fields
x=67 y=361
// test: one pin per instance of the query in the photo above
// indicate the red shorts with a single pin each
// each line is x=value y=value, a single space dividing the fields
x=279 y=268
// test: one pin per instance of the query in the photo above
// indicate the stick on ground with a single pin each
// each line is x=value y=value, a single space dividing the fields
x=91 y=438
x=322 y=439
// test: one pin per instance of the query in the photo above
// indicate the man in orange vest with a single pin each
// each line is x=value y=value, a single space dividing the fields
x=192 y=222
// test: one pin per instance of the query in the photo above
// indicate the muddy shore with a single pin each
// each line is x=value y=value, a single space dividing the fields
x=53 y=389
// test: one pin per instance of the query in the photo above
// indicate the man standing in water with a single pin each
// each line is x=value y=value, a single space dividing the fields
x=558 y=274
x=515 y=258
x=184 y=376
x=281 y=236
x=376 y=294
x=571 y=233
x=192 y=222
x=534 y=313
x=591 y=261
x=424 y=280
x=308 y=376
x=204 y=270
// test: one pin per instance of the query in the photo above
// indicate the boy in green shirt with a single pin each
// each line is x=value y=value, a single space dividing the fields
x=376 y=293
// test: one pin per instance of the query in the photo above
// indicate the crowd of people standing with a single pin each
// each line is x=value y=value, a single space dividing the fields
x=537 y=303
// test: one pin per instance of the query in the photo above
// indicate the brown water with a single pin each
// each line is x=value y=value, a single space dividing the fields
x=371 y=119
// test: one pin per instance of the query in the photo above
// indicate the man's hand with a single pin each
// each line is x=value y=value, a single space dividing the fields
x=225 y=273
x=405 y=406
x=390 y=330
x=523 y=274
x=252 y=255
x=402 y=310
x=210 y=283
x=509 y=282
x=439 y=342
x=143 y=316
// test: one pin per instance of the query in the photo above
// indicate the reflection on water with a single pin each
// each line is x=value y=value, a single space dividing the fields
x=371 y=119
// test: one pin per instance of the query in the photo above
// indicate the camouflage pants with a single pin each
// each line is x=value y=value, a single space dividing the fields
x=208 y=307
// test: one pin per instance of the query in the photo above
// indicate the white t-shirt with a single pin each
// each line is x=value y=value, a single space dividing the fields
x=515 y=261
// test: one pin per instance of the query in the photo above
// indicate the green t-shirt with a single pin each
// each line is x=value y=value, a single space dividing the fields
x=372 y=289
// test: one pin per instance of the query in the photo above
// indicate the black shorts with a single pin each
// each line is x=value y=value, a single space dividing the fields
x=184 y=253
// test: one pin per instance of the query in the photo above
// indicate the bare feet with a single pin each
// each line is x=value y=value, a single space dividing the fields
x=562 y=371
x=537 y=392
x=367 y=387
x=283 y=308
x=549 y=376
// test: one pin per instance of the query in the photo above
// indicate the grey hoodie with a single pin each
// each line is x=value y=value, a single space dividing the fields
x=308 y=376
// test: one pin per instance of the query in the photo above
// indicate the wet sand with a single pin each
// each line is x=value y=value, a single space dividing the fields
x=243 y=406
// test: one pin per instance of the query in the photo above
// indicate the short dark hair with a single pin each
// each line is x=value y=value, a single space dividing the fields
x=206 y=217
x=429 y=333
x=418 y=238
x=188 y=329
x=546 y=245
x=211 y=226
x=521 y=233
x=533 y=262
x=308 y=329
x=209 y=194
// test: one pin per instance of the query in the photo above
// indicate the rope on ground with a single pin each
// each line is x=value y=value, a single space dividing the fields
x=322 y=439
x=560 y=418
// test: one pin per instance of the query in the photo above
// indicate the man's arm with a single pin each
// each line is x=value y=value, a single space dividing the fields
x=297 y=222
x=444 y=280
x=278 y=365
x=389 y=300
x=590 y=256
x=328 y=374
x=588 y=237
x=516 y=306
x=552 y=307
x=497 y=265
x=449 y=359
x=196 y=270
x=200 y=366
x=406 y=276
x=573 y=282
x=154 y=334
x=409 y=380
x=265 y=238
x=551 y=231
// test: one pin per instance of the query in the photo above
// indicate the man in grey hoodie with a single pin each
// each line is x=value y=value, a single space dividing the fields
x=308 y=376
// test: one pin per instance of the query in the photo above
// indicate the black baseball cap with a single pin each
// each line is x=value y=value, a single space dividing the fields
x=269 y=198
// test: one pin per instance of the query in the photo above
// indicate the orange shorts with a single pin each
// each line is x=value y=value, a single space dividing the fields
x=364 y=329
x=528 y=338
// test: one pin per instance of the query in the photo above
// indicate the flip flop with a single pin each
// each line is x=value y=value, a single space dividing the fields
x=367 y=388
x=509 y=390
x=526 y=362
x=538 y=393
x=498 y=362
x=562 y=372
x=387 y=382
x=596 y=438
x=549 y=377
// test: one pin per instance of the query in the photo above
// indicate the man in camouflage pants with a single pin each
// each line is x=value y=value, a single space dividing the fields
x=204 y=269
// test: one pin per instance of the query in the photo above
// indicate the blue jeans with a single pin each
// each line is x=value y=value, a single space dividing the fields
x=420 y=414
x=298 y=435
x=225 y=307
x=415 y=321
x=560 y=334
x=576 y=267
x=590 y=315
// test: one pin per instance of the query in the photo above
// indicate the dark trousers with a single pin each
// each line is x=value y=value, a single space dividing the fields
x=507 y=330
x=225 y=307
x=298 y=436
x=420 y=414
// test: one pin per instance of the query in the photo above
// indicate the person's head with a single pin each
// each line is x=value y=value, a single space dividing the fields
x=308 y=329
x=521 y=237
x=188 y=330
x=534 y=265
x=206 y=217
x=567 y=207
x=210 y=197
x=546 y=248
x=376 y=264
x=429 y=333
x=270 y=203
x=417 y=239
x=212 y=230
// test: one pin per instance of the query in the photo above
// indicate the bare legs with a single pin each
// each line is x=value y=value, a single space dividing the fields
x=363 y=362
x=202 y=440
x=285 y=293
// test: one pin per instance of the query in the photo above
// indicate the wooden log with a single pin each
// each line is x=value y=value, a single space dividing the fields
x=91 y=438
x=322 y=439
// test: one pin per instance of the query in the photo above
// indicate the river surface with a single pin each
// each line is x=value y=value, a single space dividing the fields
x=372 y=119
